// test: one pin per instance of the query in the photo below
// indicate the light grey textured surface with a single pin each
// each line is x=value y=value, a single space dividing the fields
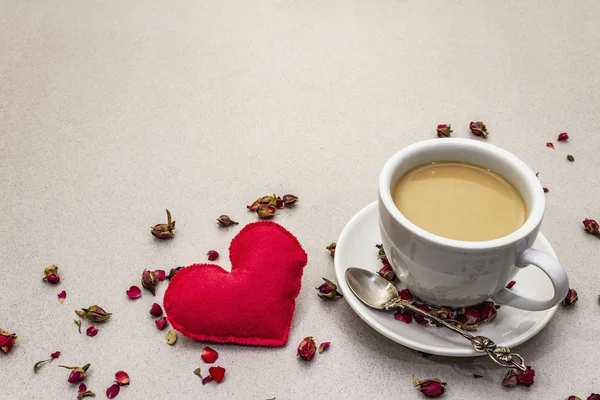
x=111 y=111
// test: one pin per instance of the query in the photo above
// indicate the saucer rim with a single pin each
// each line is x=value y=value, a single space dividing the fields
x=360 y=309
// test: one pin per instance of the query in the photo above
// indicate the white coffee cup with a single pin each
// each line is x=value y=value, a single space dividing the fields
x=454 y=273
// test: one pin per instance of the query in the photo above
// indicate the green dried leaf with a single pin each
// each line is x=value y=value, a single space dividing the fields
x=78 y=323
x=38 y=365
x=197 y=372
x=570 y=158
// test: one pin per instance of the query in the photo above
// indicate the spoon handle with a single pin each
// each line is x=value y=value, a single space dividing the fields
x=499 y=354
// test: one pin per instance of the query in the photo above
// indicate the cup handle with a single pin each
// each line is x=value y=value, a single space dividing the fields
x=552 y=268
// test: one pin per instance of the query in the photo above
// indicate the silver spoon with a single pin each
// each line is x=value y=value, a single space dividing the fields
x=379 y=293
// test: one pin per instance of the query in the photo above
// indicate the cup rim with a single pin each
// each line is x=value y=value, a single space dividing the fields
x=533 y=220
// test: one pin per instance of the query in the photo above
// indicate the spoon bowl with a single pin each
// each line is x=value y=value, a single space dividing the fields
x=370 y=288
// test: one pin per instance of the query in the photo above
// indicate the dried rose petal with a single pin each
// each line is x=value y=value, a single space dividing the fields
x=160 y=274
x=279 y=203
x=570 y=298
x=405 y=316
x=472 y=316
x=307 y=348
x=289 y=199
x=209 y=355
x=164 y=231
x=331 y=249
x=432 y=387
x=563 y=136
x=134 y=292
x=265 y=211
x=207 y=379
x=511 y=378
x=591 y=226
x=122 y=378
x=478 y=129
x=550 y=144
x=386 y=272
x=323 y=346
x=224 y=220
x=82 y=388
x=546 y=190
x=161 y=323
x=77 y=373
x=94 y=313
x=212 y=255
x=510 y=284
x=149 y=281
x=7 y=341
x=91 y=331
x=487 y=311
x=55 y=355
x=526 y=378
x=328 y=290
x=419 y=319
x=570 y=158
x=62 y=296
x=156 y=310
x=173 y=272
x=444 y=130
x=113 y=391
x=405 y=294
x=218 y=373
x=171 y=337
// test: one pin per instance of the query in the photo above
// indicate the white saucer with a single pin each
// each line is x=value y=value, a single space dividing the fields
x=356 y=248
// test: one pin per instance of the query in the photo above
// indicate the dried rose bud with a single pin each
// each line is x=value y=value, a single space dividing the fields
x=209 y=355
x=62 y=296
x=156 y=310
x=307 y=348
x=94 y=313
x=212 y=255
x=254 y=206
x=526 y=378
x=224 y=220
x=161 y=275
x=171 y=337
x=91 y=331
x=570 y=298
x=331 y=249
x=265 y=211
x=511 y=378
x=113 y=391
x=173 y=272
x=546 y=190
x=77 y=373
x=510 y=284
x=51 y=275
x=570 y=158
x=323 y=346
x=405 y=316
x=55 y=355
x=161 y=323
x=432 y=387
x=134 y=292
x=83 y=392
x=487 y=311
x=149 y=281
x=387 y=273
x=217 y=373
x=290 y=199
x=279 y=204
x=444 y=130
x=574 y=398
x=594 y=396
x=478 y=129
x=563 y=136
x=550 y=144
x=122 y=378
x=328 y=290
x=591 y=226
x=164 y=231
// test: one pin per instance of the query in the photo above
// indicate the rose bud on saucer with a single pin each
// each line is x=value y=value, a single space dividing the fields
x=164 y=231
x=387 y=273
x=430 y=387
x=307 y=348
x=444 y=130
x=328 y=290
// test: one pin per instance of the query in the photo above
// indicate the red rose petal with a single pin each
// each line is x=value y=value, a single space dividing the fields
x=323 y=346
x=134 y=292
x=161 y=323
x=209 y=355
x=113 y=391
x=405 y=317
x=218 y=373
x=419 y=319
x=405 y=294
x=56 y=354
x=207 y=379
x=92 y=331
x=546 y=190
x=563 y=136
x=156 y=310
x=82 y=388
x=122 y=378
x=510 y=284
x=62 y=296
x=212 y=255
x=160 y=274
x=549 y=144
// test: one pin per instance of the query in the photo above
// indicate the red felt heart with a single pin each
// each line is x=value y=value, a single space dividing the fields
x=252 y=304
